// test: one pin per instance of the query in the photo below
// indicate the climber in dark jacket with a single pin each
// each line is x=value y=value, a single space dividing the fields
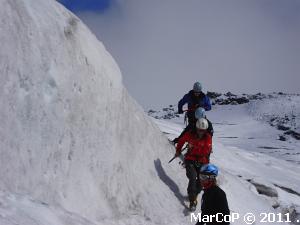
x=214 y=201
x=195 y=98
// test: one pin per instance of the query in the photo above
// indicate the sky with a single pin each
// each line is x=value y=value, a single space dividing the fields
x=86 y=5
x=163 y=47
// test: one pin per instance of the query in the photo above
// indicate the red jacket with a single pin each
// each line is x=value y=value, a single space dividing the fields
x=199 y=149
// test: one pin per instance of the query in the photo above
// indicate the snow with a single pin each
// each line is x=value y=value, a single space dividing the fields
x=245 y=172
x=18 y=209
x=70 y=134
x=75 y=148
x=241 y=127
x=285 y=108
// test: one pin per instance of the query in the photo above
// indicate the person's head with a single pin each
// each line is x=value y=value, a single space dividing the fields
x=197 y=89
x=201 y=127
x=200 y=113
x=208 y=175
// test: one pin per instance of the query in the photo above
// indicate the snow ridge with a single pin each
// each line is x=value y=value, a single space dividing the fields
x=70 y=135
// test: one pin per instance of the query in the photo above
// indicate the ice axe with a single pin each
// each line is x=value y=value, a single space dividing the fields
x=179 y=154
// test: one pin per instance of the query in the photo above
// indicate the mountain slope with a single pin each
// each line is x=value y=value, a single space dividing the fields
x=258 y=170
x=70 y=134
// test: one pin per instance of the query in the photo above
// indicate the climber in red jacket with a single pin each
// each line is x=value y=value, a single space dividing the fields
x=199 y=148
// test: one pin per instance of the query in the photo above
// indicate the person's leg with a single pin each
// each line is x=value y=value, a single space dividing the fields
x=191 y=174
x=191 y=117
x=199 y=187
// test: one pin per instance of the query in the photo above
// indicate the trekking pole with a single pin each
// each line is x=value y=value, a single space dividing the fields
x=179 y=154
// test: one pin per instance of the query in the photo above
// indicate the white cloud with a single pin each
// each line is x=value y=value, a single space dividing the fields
x=162 y=47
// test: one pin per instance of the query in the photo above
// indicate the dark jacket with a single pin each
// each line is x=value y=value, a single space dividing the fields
x=194 y=102
x=214 y=201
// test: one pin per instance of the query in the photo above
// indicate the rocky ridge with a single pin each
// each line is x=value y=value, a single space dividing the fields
x=284 y=122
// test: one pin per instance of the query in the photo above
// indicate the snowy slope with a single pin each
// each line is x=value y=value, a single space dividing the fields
x=254 y=182
x=281 y=111
x=70 y=134
x=235 y=126
x=20 y=209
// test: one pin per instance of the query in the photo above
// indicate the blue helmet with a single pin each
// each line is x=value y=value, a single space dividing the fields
x=200 y=113
x=197 y=87
x=209 y=169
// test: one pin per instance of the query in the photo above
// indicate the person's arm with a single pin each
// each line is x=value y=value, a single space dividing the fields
x=207 y=104
x=223 y=205
x=208 y=143
x=181 y=103
x=180 y=143
x=207 y=208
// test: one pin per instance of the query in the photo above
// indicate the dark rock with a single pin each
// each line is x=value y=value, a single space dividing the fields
x=258 y=96
x=168 y=116
x=231 y=101
x=294 y=134
x=282 y=127
x=151 y=111
x=242 y=100
x=229 y=94
x=282 y=138
x=264 y=190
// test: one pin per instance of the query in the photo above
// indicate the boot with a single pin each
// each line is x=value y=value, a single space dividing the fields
x=193 y=203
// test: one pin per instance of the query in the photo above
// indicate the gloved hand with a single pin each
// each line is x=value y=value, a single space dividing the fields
x=180 y=111
x=177 y=153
